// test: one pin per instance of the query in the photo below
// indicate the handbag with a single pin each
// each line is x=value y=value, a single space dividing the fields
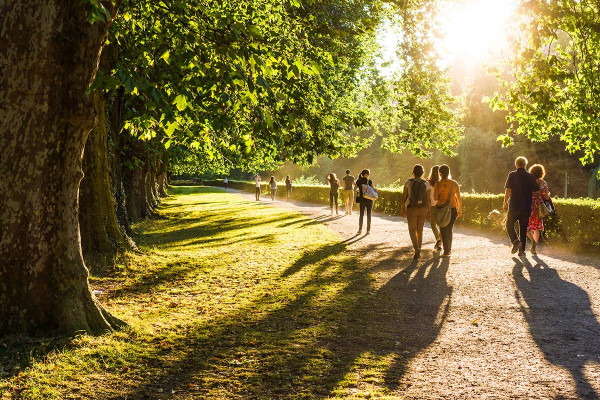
x=545 y=209
x=368 y=192
x=443 y=213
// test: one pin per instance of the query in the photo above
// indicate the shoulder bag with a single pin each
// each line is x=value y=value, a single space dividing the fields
x=443 y=213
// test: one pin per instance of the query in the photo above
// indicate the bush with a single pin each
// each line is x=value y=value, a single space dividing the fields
x=575 y=221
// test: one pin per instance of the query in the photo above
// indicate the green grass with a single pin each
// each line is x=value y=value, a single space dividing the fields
x=229 y=299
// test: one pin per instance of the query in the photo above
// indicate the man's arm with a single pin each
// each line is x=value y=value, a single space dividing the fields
x=507 y=195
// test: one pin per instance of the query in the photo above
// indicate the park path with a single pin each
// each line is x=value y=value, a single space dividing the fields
x=485 y=324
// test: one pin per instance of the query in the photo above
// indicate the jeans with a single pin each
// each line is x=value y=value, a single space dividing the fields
x=273 y=193
x=434 y=227
x=288 y=193
x=257 y=193
x=333 y=197
x=365 y=204
x=416 y=217
x=523 y=218
x=447 y=232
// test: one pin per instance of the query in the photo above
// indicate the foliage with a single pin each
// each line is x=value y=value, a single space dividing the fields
x=550 y=87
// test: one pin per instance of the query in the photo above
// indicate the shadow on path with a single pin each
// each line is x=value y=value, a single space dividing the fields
x=561 y=320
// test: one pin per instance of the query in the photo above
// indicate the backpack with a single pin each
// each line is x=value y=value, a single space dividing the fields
x=418 y=194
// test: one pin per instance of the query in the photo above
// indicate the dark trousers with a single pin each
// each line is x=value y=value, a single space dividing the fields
x=288 y=193
x=446 y=231
x=365 y=204
x=523 y=218
x=333 y=198
x=257 y=193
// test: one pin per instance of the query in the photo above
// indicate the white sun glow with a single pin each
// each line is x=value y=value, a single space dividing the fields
x=475 y=28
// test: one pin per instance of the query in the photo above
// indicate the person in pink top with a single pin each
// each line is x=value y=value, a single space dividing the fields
x=536 y=224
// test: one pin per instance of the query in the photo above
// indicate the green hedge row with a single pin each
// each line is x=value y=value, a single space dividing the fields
x=575 y=221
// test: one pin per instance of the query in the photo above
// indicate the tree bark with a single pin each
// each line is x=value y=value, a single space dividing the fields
x=49 y=56
x=99 y=227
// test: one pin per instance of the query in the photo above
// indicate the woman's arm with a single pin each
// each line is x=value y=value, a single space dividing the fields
x=403 y=202
x=458 y=200
x=429 y=202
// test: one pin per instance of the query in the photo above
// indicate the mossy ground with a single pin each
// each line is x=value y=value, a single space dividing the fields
x=229 y=299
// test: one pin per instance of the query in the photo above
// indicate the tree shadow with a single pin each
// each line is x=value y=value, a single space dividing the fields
x=303 y=342
x=561 y=320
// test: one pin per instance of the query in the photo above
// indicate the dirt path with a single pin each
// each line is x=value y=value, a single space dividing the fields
x=483 y=324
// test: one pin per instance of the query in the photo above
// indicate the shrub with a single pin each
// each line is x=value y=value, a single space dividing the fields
x=575 y=221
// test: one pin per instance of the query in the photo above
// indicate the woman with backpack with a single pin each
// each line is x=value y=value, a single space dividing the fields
x=366 y=204
x=433 y=178
x=415 y=206
x=446 y=193
x=334 y=186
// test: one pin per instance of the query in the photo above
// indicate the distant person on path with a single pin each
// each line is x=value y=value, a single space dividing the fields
x=520 y=186
x=288 y=188
x=415 y=206
x=273 y=187
x=334 y=188
x=433 y=178
x=225 y=182
x=365 y=204
x=349 y=188
x=257 y=180
x=447 y=192
x=536 y=224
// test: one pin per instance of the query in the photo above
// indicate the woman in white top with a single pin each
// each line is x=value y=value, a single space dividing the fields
x=433 y=178
x=273 y=186
x=257 y=180
x=416 y=206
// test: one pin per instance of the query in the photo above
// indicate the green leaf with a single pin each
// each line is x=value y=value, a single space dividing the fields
x=180 y=102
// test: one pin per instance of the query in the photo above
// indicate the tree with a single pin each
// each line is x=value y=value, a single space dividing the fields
x=551 y=87
x=47 y=117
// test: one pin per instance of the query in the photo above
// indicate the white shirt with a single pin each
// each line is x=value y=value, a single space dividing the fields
x=225 y=180
x=257 y=180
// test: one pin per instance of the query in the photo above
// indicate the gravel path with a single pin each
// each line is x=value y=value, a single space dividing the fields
x=484 y=324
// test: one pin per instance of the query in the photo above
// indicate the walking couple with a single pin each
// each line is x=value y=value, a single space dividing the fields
x=436 y=198
x=525 y=195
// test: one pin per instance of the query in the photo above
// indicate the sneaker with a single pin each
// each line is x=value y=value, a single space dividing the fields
x=417 y=254
x=534 y=248
x=359 y=232
x=446 y=255
x=368 y=232
x=438 y=244
x=516 y=246
x=521 y=254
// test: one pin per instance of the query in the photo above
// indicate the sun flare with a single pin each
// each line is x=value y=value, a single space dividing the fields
x=475 y=28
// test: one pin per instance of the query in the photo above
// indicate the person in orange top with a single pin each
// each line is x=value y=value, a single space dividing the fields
x=446 y=190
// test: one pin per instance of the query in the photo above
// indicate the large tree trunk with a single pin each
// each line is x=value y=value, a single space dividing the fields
x=49 y=55
x=99 y=227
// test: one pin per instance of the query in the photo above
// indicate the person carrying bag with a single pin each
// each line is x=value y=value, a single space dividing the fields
x=448 y=208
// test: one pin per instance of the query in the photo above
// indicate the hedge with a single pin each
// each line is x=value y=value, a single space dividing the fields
x=575 y=221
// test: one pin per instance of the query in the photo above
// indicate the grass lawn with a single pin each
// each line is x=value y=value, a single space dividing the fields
x=228 y=299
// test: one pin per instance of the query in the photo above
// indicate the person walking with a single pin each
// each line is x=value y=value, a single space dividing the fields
x=415 y=206
x=447 y=192
x=349 y=188
x=433 y=178
x=334 y=186
x=288 y=188
x=518 y=199
x=365 y=204
x=273 y=187
x=536 y=224
x=257 y=181
x=225 y=182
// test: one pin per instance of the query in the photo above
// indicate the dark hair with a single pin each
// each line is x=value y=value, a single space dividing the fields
x=521 y=162
x=365 y=172
x=445 y=171
x=418 y=171
x=332 y=177
x=287 y=177
x=347 y=171
x=272 y=178
x=434 y=175
x=538 y=171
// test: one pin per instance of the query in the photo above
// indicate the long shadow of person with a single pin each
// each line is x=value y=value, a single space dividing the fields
x=399 y=320
x=560 y=318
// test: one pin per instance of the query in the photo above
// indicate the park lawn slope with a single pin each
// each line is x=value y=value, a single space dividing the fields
x=228 y=299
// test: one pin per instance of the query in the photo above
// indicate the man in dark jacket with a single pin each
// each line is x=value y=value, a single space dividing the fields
x=517 y=201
